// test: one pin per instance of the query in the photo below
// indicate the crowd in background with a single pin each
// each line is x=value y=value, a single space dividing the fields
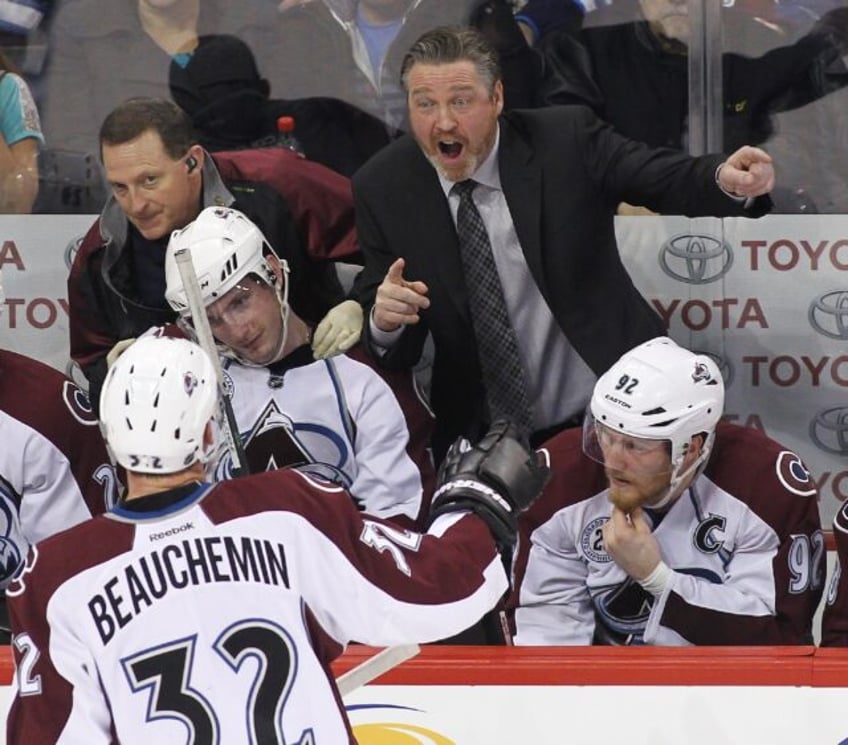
x=333 y=65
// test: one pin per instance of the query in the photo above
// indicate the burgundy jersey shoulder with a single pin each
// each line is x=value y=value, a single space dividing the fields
x=574 y=477
x=91 y=244
x=48 y=401
x=63 y=556
x=320 y=199
x=771 y=479
x=50 y=404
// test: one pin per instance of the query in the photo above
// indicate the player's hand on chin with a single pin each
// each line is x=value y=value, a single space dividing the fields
x=631 y=544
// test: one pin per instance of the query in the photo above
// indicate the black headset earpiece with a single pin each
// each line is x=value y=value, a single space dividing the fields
x=191 y=163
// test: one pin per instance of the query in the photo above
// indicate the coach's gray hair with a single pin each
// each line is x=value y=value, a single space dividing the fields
x=446 y=44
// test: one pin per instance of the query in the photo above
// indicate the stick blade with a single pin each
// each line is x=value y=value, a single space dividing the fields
x=375 y=666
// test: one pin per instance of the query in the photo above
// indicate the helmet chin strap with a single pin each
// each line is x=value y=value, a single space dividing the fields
x=691 y=473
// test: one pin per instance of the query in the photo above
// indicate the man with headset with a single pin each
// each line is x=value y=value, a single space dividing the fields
x=161 y=178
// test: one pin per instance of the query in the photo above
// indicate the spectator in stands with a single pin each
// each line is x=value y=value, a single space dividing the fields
x=54 y=468
x=161 y=179
x=630 y=64
x=228 y=101
x=539 y=17
x=20 y=138
x=661 y=526
x=546 y=182
x=352 y=49
x=23 y=36
x=339 y=419
x=102 y=53
x=835 y=615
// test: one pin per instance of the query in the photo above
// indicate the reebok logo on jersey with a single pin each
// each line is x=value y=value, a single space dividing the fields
x=171 y=531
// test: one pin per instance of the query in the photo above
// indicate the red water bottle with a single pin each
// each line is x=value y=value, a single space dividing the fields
x=286 y=137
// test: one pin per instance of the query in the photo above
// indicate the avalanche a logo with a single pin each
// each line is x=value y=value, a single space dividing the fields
x=379 y=731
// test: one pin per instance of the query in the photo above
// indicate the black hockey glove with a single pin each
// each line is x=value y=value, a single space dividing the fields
x=497 y=478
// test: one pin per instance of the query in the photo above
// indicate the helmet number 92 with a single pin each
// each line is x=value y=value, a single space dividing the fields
x=626 y=384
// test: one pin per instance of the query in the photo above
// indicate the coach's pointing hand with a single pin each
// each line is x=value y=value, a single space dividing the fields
x=398 y=301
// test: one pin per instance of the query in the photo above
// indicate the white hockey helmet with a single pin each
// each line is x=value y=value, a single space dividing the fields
x=658 y=391
x=225 y=246
x=155 y=404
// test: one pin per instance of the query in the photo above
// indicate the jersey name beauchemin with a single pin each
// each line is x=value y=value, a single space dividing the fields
x=178 y=565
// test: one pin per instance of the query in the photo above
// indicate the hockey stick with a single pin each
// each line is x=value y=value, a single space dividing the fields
x=197 y=309
x=375 y=666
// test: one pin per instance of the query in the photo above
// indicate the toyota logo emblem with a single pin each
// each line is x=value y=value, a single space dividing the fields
x=829 y=430
x=71 y=250
x=695 y=259
x=828 y=314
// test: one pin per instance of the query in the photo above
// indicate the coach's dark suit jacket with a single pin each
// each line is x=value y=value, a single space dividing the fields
x=563 y=173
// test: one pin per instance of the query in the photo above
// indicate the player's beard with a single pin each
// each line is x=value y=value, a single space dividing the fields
x=628 y=491
x=626 y=499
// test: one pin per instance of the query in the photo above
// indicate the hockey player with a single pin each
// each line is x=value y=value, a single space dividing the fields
x=339 y=418
x=661 y=528
x=205 y=613
x=835 y=614
x=54 y=468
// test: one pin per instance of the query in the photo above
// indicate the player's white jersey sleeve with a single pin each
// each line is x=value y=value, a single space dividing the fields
x=386 y=480
x=54 y=470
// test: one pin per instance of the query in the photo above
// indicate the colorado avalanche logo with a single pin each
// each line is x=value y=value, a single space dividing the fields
x=77 y=402
x=701 y=372
x=794 y=475
x=189 y=383
x=276 y=441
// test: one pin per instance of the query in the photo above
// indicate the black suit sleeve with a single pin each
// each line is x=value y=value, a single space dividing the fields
x=379 y=256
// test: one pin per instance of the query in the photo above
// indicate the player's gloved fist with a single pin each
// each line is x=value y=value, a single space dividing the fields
x=497 y=478
x=338 y=331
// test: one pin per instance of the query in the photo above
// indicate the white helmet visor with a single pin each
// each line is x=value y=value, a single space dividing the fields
x=640 y=456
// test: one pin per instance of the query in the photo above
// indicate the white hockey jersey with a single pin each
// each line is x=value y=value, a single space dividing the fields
x=744 y=543
x=210 y=614
x=54 y=468
x=342 y=419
